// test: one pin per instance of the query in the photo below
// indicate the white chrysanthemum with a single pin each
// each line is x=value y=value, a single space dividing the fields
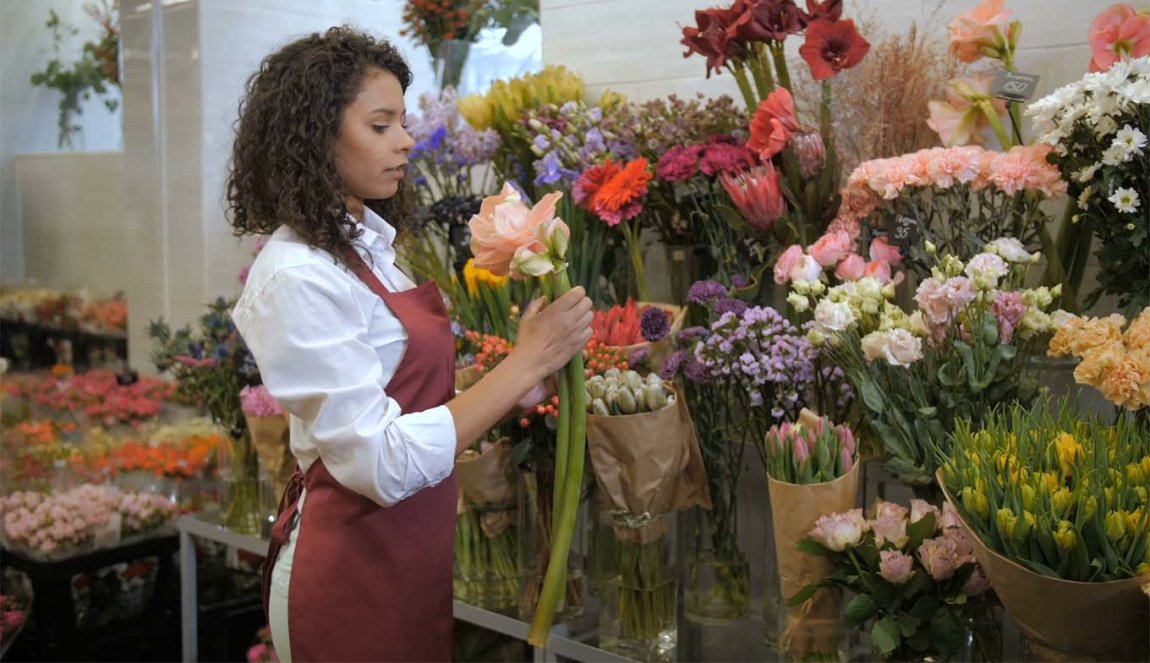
x=1084 y=197
x=1115 y=154
x=1131 y=139
x=1104 y=127
x=1086 y=173
x=1125 y=200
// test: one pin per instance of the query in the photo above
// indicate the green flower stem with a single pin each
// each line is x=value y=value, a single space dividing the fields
x=744 y=86
x=631 y=237
x=570 y=450
x=988 y=109
x=780 y=58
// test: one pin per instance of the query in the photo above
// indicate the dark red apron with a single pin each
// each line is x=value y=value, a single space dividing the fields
x=370 y=583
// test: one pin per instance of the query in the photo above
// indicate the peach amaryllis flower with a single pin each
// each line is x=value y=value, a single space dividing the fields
x=833 y=46
x=1118 y=32
x=506 y=227
x=959 y=119
x=773 y=124
x=979 y=32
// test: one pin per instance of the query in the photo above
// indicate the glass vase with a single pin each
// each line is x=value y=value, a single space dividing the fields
x=637 y=617
x=448 y=60
x=536 y=489
x=718 y=584
x=486 y=556
x=242 y=498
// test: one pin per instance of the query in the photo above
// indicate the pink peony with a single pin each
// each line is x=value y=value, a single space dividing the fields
x=851 y=268
x=505 y=224
x=895 y=566
x=840 y=531
x=786 y=262
x=1118 y=32
x=832 y=247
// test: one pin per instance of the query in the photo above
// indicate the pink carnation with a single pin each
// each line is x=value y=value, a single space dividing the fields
x=257 y=402
x=1025 y=168
x=679 y=163
x=1008 y=308
x=725 y=158
x=955 y=165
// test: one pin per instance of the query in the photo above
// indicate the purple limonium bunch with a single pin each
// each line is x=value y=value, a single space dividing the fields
x=705 y=293
x=568 y=139
x=763 y=354
x=446 y=148
x=653 y=324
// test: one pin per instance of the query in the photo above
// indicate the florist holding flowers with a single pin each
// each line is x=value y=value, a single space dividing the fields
x=361 y=358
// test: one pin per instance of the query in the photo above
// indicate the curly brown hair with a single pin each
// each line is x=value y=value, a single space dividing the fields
x=282 y=171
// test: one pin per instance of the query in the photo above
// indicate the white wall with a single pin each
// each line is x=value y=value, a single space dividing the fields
x=28 y=114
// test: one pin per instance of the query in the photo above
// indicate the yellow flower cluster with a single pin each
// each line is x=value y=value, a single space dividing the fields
x=473 y=276
x=1113 y=361
x=1060 y=495
x=505 y=103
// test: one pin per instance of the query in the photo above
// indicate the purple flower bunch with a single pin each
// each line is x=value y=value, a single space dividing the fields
x=761 y=352
x=654 y=324
x=656 y=126
x=445 y=145
x=568 y=139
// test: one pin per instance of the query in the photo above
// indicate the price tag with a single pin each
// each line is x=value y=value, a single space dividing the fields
x=901 y=230
x=1014 y=85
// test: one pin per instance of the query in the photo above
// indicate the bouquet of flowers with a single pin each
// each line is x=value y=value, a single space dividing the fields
x=956 y=356
x=647 y=464
x=913 y=573
x=270 y=432
x=1058 y=507
x=1097 y=128
x=1113 y=361
x=813 y=469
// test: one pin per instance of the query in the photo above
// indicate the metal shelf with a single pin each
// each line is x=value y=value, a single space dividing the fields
x=200 y=525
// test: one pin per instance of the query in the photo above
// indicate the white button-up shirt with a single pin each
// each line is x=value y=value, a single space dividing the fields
x=326 y=347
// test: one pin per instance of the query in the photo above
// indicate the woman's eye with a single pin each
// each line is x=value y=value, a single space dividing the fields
x=379 y=128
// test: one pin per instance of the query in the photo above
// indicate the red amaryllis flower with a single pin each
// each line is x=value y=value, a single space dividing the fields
x=773 y=124
x=832 y=47
x=709 y=38
x=615 y=194
x=778 y=18
x=827 y=10
x=758 y=195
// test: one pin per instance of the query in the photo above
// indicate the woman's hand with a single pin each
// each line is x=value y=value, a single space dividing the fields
x=550 y=334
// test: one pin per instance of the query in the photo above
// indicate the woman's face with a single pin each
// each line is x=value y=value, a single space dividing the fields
x=372 y=146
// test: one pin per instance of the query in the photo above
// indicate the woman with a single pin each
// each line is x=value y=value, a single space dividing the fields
x=361 y=559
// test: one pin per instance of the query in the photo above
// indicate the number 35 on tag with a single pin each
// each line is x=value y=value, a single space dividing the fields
x=902 y=230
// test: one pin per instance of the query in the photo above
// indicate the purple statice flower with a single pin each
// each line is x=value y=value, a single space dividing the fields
x=679 y=163
x=738 y=282
x=730 y=305
x=695 y=371
x=672 y=364
x=477 y=147
x=705 y=292
x=637 y=357
x=690 y=335
x=429 y=145
x=653 y=324
x=541 y=143
x=550 y=170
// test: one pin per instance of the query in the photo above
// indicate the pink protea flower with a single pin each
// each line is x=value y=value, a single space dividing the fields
x=757 y=194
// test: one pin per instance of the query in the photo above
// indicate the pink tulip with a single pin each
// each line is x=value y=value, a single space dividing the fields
x=504 y=225
x=881 y=249
x=1116 y=33
x=895 y=566
x=851 y=268
x=832 y=247
x=799 y=447
x=848 y=460
x=758 y=195
x=787 y=262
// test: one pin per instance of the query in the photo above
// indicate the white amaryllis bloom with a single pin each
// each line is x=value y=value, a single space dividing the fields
x=1125 y=200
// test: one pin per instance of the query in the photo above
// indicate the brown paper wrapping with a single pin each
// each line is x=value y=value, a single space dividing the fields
x=1067 y=620
x=810 y=627
x=271 y=440
x=647 y=465
x=487 y=480
x=659 y=350
x=466 y=377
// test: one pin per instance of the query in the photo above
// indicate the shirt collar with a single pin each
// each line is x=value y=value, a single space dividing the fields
x=377 y=233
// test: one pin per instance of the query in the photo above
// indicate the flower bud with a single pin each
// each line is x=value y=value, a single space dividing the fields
x=818 y=288
x=888 y=291
x=801 y=287
x=632 y=380
x=1115 y=526
x=931 y=249
x=798 y=302
x=625 y=401
x=600 y=408
x=656 y=397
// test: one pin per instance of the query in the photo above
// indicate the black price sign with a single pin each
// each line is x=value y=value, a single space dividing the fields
x=901 y=230
x=1014 y=86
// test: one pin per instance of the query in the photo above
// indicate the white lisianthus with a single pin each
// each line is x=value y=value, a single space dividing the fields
x=1034 y=323
x=834 y=316
x=1010 y=248
x=986 y=269
x=898 y=347
x=798 y=302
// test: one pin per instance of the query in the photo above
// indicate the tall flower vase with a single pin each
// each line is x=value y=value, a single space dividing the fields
x=718 y=581
x=637 y=618
x=242 y=501
x=486 y=547
x=448 y=59
x=536 y=489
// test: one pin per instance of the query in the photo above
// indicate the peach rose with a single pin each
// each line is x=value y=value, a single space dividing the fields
x=851 y=268
x=832 y=247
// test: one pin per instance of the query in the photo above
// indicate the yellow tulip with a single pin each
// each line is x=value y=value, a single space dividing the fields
x=975 y=502
x=1027 y=497
x=1141 y=493
x=1135 y=475
x=1116 y=525
x=1065 y=536
x=476 y=110
x=1135 y=522
x=1006 y=521
x=1069 y=452
x=1050 y=481
x=471 y=277
x=1062 y=499
x=1090 y=507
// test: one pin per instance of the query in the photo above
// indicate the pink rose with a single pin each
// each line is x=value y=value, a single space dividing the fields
x=919 y=509
x=807 y=269
x=832 y=247
x=976 y=584
x=878 y=270
x=895 y=566
x=888 y=529
x=881 y=249
x=840 y=531
x=786 y=262
x=851 y=268
x=949 y=520
x=937 y=556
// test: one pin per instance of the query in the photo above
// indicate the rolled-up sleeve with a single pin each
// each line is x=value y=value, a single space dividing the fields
x=309 y=337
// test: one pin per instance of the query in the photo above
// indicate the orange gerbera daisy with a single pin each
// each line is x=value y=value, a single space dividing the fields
x=615 y=194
